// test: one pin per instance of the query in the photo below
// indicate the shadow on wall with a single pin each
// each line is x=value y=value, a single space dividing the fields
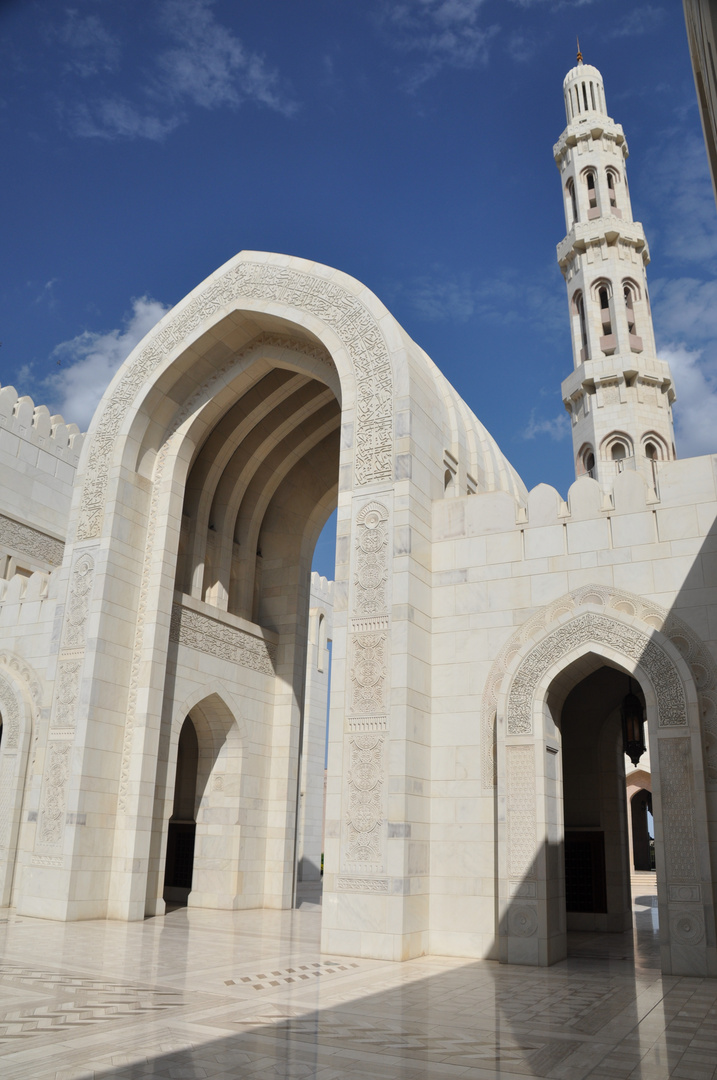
x=591 y=644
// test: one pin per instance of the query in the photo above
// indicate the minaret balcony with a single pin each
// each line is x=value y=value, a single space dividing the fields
x=607 y=228
x=608 y=344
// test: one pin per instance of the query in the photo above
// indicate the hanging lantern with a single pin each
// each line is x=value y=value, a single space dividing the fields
x=633 y=729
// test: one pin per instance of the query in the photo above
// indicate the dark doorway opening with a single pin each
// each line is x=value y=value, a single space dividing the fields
x=643 y=844
x=182 y=824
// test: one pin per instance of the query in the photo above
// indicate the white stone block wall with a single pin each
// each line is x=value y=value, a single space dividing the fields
x=495 y=566
x=309 y=847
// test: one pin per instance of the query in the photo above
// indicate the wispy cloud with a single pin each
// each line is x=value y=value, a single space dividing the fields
x=201 y=64
x=557 y=428
x=678 y=178
x=88 y=361
x=90 y=47
x=442 y=32
x=116 y=118
x=638 y=21
x=695 y=375
x=685 y=318
x=508 y=299
x=209 y=66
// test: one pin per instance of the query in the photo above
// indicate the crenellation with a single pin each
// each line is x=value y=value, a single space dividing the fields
x=35 y=425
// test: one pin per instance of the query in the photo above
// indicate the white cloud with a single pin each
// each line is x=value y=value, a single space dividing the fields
x=685 y=318
x=91 y=47
x=202 y=64
x=640 y=20
x=88 y=361
x=113 y=118
x=557 y=428
x=445 y=32
x=508 y=299
x=685 y=310
x=209 y=66
x=696 y=407
x=679 y=186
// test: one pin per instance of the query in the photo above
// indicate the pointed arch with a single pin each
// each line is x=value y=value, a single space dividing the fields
x=19 y=706
x=572 y=638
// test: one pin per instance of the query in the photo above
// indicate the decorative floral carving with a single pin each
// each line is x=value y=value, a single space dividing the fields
x=328 y=301
x=365 y=800
x=29 y=541
x=52 y=810
x=522 y=921
x=601 y=630
x=520 y=777
x=368 y=673
x=210 y=636
x=73 y=631
x=371 y=560
x=677 y=801
x=9 y=714
x=687 y=925
x=66 y=693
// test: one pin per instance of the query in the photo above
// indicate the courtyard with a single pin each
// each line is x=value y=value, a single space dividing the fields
x=216 y=995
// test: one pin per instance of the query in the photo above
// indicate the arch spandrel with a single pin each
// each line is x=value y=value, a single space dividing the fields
x=328 y=306
x=687 y=654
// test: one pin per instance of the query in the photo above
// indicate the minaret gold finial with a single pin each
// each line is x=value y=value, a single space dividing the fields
x=580 y=55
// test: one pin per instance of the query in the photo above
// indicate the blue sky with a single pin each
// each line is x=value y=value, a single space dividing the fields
x=408 y=143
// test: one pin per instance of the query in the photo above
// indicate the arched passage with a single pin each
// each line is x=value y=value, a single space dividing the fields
x=19 y=697
x=276 y=391
x=582 y=639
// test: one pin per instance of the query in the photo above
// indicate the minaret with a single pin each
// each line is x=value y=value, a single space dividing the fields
x=619 y=395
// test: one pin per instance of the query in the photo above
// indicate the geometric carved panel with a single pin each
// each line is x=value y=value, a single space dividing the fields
x=520 y=783
x=677 y=803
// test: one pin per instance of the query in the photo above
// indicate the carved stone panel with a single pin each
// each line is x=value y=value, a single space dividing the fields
x=73 y=630
x=677 y=805
x=365 y=800
x=522 y=827
x=207 y=635
x=329 y=301
x=368 y=674
x=29 y=541
x=54 y=786
x=591 y=628
x=653 y=617
x=10 y=712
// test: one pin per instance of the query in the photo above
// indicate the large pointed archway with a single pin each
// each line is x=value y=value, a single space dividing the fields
x=276 y=391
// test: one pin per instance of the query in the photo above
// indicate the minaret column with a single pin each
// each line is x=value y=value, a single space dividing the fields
x=620 y=393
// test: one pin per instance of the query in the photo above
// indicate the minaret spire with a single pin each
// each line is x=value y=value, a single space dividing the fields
x=580 y=55
x=619 y=395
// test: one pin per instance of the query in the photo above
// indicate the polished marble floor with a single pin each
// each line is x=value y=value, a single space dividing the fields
x=203 y=995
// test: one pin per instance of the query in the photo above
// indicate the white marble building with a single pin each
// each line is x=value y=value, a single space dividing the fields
x=485 y=638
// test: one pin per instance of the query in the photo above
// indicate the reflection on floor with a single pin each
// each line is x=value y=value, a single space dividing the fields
x=638 y=948
x=227 y=995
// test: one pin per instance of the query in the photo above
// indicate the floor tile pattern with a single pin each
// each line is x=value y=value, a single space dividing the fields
x=202 y=995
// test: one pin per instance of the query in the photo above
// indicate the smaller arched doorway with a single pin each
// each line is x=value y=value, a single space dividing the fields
x=542 y=671
x=179 y=865
x=596 y=843
x=643 y=831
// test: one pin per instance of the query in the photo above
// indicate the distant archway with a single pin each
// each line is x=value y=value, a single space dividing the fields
x=541 y=674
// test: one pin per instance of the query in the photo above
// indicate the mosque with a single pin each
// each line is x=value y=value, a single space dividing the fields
x=523 y=699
